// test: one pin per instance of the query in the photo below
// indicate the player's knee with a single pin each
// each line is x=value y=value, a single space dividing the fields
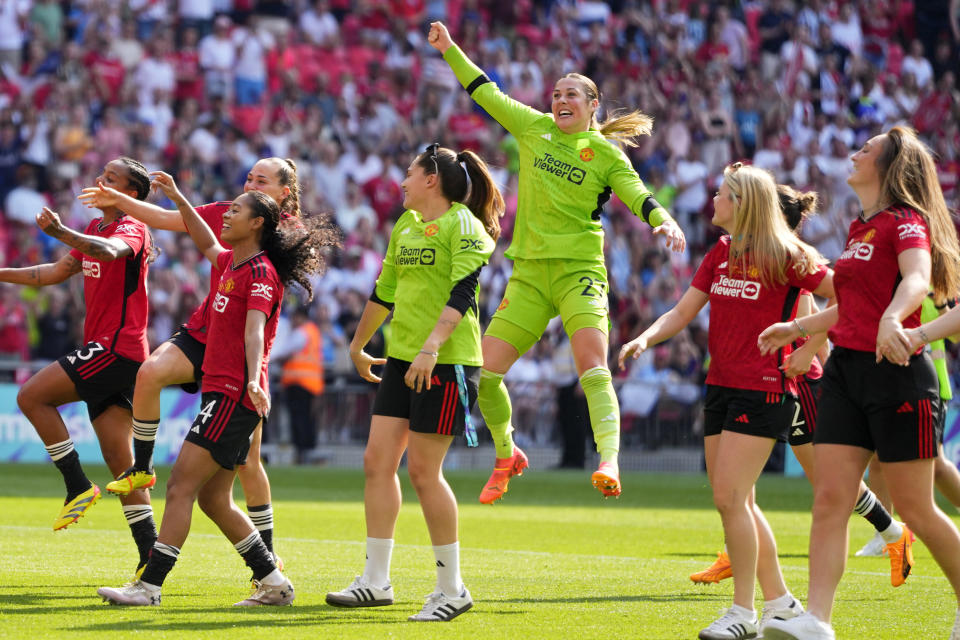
x=213 y=505
x=151 y=374
x=727 y=500
x=422 y=476
x=26 y=399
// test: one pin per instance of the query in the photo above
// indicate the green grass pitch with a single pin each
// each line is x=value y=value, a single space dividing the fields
x=554 y=560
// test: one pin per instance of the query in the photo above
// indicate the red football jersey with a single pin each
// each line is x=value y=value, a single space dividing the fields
x=740 y=308
x=252 y=284
x=199 y=320
x=867 y=274
x=115 y=291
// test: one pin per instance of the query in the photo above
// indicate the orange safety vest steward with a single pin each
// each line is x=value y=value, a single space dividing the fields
x=305 y=368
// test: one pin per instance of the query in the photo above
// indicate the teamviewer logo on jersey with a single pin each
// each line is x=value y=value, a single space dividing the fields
x=220 y=303
x=91 y=269
x=734 y=288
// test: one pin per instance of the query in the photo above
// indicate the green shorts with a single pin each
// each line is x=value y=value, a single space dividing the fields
x=538 y=290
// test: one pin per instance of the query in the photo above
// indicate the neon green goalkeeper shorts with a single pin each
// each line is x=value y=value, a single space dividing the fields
x=538 y=290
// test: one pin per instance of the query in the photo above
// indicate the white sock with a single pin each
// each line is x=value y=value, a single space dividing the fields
x=448 y=569
x=377 y=569
x=743 y=612
x=149 y=587
x=892 y=533
x=274 y=579
x=782 y=602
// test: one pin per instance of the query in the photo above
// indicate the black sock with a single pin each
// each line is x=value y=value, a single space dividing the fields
x=143 y=529
x=870 y=508
x=262 y=518
x=256 y=555
x=144 y=437
x=73 y=475
x=162 y=559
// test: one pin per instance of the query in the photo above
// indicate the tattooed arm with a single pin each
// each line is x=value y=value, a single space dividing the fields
x=106 y=249
x=42 y=274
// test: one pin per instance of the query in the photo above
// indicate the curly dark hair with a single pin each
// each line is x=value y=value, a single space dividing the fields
x=295 y=245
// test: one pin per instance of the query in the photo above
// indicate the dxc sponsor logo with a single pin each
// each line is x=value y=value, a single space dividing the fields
x=470 y=244
x=262 y=290
x=912 y=230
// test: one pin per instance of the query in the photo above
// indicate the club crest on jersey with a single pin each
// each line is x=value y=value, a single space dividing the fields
x=734 y=288
x=503 y=304
x=91 y=269
x=587 y=154
x=262 y=290
x=912 y=230
x=220 y=302
x=226 y=286
x=431 y=230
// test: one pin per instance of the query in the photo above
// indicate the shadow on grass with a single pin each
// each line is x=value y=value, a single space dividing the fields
x=662 y=597
x=539 y=489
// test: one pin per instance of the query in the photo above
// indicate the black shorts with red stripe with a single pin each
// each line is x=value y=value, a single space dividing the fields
x=880 y=406
x=224 y=428
x=763 y=414
x=194 y=351
x=102 y=378
x=808 y=394
x=437 y=410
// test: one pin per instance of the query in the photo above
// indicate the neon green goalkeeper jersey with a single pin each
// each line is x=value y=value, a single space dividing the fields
x=565 y=180
x=424 y=261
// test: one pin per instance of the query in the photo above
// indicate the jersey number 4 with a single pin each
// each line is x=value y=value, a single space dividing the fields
x=207 y=412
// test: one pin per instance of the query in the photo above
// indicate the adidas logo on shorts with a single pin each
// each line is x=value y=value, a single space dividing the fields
x=906 y=407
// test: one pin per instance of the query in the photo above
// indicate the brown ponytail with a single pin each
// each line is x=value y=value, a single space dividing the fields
x=465 y=177
x=287 y=173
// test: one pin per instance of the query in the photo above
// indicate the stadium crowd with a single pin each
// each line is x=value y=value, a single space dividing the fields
x=202 y=88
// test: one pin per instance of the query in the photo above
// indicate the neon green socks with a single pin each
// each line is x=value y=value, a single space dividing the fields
x=604 y=409
x=495 y=406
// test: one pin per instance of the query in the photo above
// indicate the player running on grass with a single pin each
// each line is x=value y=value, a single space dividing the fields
x=113 y=254
x=805 y=366
x=752 y=275
x=429 y=278
x=570 y=164
x=235 y=394
x=179 y=360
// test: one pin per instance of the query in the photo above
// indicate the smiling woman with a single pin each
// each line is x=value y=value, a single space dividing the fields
x=570 y=164
x=264 y=258
x=430 y=281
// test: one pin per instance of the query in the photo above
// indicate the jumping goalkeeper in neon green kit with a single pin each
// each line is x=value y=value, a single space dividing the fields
x=569 y=164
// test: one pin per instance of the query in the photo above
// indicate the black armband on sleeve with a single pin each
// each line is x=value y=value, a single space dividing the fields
x=383 y=303
x=479 y=80
x=463 y=296
x=648 y=207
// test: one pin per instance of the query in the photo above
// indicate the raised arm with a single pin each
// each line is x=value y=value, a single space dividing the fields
x=150 y=214
x=106 y=249
x=42 y=274
x=199 y=231
x=512 y=115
